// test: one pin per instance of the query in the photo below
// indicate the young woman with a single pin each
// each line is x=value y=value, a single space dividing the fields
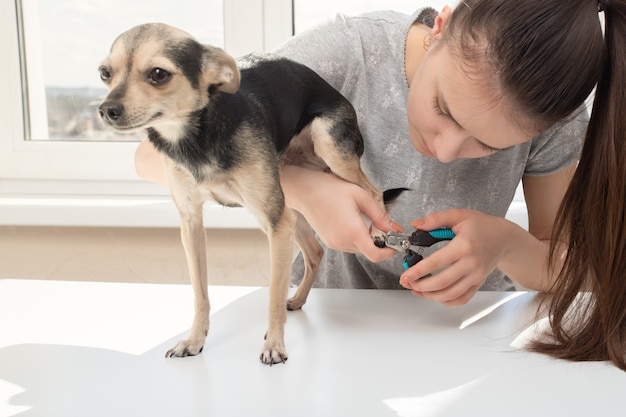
x=474 y=144
x=487 y=94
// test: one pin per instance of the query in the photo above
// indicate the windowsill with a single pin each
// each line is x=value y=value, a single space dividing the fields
x=107 y=211
x=132 y=211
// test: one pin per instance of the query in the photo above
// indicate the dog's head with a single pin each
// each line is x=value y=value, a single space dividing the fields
x=158 y=76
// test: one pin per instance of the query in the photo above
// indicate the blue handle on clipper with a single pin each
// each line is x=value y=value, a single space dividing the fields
x=411 y=259
x=443 y=233
x=424 y=238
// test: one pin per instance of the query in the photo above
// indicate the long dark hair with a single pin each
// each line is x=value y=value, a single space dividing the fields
x=592 y=221
x=546 y=56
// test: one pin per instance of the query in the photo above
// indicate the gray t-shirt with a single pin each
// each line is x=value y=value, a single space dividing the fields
x=363 y=57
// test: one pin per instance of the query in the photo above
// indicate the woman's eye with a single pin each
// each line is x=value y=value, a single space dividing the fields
x=437 y=107
x=159 y=76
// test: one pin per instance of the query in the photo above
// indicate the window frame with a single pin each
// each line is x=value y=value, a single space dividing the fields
x=91 y=183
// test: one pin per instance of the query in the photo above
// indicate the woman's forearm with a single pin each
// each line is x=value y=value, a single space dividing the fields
x=335 y=208
x=526 y=259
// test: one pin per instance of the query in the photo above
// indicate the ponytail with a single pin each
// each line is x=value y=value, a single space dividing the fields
x=592 y=224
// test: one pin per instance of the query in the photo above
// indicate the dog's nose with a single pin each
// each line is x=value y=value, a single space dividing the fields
x=111 y=110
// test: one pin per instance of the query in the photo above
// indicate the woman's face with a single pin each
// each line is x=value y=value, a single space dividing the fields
x=453 y=116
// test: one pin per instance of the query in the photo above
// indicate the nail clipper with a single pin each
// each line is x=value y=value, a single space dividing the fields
x=412 y=246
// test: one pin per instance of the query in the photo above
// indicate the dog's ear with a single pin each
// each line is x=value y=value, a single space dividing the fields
x=220 y=70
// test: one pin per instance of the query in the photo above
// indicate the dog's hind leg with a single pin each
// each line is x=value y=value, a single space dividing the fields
x=312 y=254
x=337 y=143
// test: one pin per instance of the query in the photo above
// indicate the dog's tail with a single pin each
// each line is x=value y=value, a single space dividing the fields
x=389 y=196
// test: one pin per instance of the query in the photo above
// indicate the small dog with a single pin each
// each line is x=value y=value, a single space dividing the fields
x=223 y=134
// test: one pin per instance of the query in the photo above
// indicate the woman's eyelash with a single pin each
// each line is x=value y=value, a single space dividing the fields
x=488 y=148
x=437 y=107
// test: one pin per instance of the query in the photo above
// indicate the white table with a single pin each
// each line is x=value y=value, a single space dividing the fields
x=97 y=349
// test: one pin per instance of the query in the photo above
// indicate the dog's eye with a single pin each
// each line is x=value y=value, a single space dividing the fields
x=105 y=74
x=159 y=76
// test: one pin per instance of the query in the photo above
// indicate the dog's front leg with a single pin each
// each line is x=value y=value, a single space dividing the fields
x=194 y=241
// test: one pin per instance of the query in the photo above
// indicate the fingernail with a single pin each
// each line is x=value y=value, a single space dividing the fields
x=396 y=227
x=404 y=281
x=418 y=223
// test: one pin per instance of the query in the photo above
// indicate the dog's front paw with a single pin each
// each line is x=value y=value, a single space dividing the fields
x=273 y=353
x=185 y=348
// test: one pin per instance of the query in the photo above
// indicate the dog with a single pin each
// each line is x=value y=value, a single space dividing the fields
x=224 y=132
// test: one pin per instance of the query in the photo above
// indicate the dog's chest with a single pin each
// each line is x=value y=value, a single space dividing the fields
x=223 y=193
x=218 y=187
x=201 y=156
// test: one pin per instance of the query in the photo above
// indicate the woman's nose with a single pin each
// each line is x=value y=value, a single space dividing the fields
x=448 y=146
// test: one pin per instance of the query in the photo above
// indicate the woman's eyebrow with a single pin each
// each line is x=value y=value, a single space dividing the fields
x=446 y=110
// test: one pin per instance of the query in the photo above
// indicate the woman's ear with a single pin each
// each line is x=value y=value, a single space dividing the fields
x=440 y=21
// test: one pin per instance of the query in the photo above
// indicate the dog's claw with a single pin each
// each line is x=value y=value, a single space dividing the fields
x=273 y=352
x=182 y=350
x=273 y=357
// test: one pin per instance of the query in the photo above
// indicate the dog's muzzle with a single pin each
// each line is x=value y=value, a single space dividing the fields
x=110 y=112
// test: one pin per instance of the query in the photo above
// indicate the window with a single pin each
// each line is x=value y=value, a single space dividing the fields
x=57 y=166
x=64 y=41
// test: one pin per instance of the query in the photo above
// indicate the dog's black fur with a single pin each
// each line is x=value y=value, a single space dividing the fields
x=257 y=106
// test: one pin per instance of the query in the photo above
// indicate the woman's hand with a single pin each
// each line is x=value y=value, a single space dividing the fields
x=149 y=163
x=334 y=209
x=462 y=266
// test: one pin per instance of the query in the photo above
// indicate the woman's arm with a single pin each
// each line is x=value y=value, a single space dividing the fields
x=335 y=209
x=148 y=163
x=543 y=196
